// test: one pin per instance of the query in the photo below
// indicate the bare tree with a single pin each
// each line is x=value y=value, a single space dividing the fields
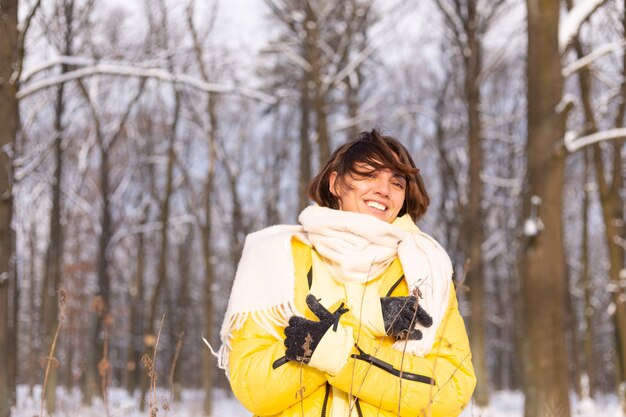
x=9 y=126
x=54 y=256
x=469 y=21
x=542 y=258
x=608 y=171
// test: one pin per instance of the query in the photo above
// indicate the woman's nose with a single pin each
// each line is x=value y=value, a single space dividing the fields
x=381 y=187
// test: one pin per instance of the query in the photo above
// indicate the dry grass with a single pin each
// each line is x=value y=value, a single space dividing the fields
x=179 y=346
x=50 y=359
x=150 y=364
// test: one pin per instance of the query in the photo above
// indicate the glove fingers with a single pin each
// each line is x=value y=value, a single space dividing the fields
x=415 y=335
x=318 y=309
x=296 y=322
x=423 y=317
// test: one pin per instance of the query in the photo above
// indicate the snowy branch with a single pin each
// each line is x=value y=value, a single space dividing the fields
x=588 y=59
x=500 y=182
x=95 y=68
x=571 y=24
x=573 y=143
x=21 y=41
x=291 y=55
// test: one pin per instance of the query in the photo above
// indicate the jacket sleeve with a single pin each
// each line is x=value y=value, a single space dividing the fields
x=261 y=385
x=440 y=383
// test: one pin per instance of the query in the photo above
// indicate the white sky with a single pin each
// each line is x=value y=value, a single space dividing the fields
x=242 y=22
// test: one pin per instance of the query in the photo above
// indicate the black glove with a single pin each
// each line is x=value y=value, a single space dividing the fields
x=303 y=335
x=400 y=315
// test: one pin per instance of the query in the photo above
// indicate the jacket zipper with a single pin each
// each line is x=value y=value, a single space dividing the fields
x=358 y=408
x=385 y=366
x=393 y=287
x=325 y=403
x=279 y=362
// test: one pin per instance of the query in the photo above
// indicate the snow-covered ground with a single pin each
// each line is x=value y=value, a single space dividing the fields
x=503 y=404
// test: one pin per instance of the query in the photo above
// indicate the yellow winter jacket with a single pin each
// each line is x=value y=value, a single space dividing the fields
x=382 y=380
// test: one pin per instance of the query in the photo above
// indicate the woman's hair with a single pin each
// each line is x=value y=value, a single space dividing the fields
x=379 y=152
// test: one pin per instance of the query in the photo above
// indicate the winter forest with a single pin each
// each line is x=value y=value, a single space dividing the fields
x=140 y=142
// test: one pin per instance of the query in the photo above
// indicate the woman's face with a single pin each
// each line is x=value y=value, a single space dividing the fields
x=377 y=192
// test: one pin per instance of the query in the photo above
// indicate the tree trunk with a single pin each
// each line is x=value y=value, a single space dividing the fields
x=571 y=323
x=208 y=363
x=54 y=256
x=313 y=55
x=32 y=331
x=9 y=126
x=305 y=146
x=473 y=220
x=542 y=269
x=588 y=308
x=135 y=342
x=177 y=332
x=353 y=87
x=102 y=297
x=52 y=278
x=613 y=216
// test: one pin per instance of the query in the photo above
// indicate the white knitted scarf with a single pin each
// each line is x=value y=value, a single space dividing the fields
x=356 y=247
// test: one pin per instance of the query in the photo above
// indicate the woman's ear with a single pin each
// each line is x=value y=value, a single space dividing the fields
x=331 y=183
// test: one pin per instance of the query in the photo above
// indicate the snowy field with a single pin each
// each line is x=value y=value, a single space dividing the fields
x=503 y=404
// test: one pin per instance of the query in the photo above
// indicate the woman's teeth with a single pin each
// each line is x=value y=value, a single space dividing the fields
x=376 y=205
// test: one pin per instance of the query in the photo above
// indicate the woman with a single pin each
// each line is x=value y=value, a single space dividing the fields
x=352 y=312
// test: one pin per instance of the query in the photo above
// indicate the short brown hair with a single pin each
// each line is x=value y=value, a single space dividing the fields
x=379 y=152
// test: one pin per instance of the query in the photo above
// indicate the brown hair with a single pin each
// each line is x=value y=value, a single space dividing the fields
x=379 y=152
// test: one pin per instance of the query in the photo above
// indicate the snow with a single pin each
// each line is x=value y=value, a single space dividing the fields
x=502 y=404
x=571 y=23
x=608 y=48
x=574 y=143
x=124 y=69
x=532 y=227
x=122 y=405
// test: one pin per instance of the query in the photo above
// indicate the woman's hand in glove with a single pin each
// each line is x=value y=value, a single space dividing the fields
x=400 y=315
x=303 y=335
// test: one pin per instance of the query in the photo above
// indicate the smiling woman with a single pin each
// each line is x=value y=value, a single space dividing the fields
x=352 y=312
x=372 y=174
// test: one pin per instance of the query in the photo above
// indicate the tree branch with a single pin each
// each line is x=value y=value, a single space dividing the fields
x=134 y=71
x=574 y=19
x=573 y=143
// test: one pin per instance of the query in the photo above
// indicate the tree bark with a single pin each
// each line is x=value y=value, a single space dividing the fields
x=208 y=363
x=9 y=126
x=32 y=330
x=543 y=281
x=613 y=216
x=304 y=173
x=135 y=342
x=54 y=256
x=313 y=55
x=588 y=308
x=473 y=220
x=177 y=332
